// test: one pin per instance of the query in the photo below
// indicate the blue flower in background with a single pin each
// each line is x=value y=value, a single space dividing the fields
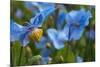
x=41 y=6
x=79 y=59
x=91 y=34
x=60 y=19
x=45 y=60
x=42 y=44
x=44 y=50
x=76 y=21
x=31 y=7
x=19 y=14
x=28 y=5
x=35 y=22
x=37 y=7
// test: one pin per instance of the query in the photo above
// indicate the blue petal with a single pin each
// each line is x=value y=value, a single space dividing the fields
x=66 y=30
x=24 y=38
x=47 y=11
x=15 y=31
x=58 y=44
x=85 y=19
x=41 y=6
x=53 y=34
x=45 y=52
x=60 y=20
x=82 y=15
x=42 y=43
x=31 y=7
x=76 y=15
x=38 y=20
x=76 y=32
x=62 y=36
x=28 y=5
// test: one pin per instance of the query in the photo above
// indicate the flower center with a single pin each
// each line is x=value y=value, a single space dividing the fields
x=36 y=34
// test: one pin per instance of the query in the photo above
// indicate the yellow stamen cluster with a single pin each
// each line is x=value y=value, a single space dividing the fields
x=36 y=34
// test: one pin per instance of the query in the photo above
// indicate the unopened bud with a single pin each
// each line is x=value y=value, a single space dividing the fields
x=48 y=45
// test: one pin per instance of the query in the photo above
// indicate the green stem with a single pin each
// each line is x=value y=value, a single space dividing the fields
x=21 y=50
x=11 y=55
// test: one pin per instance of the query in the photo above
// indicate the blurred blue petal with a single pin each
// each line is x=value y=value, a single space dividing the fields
x=31 y=7
x=15 y=31
x=28 y=5
x=41 y=6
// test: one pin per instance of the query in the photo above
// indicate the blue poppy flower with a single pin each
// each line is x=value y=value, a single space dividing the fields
x=80 y=17
x=35 y=22
x=76 y=21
